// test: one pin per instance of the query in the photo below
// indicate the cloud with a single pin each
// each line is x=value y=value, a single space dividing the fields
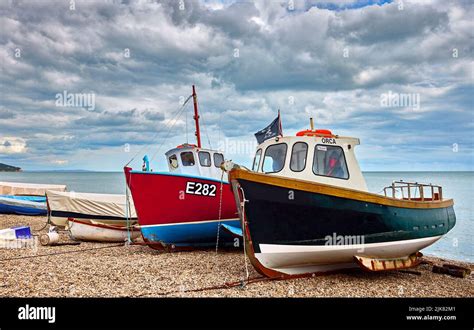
x=330 y=60
x=12 y=145
x=59 y=162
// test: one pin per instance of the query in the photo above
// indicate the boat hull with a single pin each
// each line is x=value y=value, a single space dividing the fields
x=23 y=205
x=92 y=231
x=169 y=213
x=194 y=234
x=295 y=228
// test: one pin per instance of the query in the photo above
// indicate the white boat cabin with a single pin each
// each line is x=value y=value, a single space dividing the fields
x=188 y=159
x=312 y=155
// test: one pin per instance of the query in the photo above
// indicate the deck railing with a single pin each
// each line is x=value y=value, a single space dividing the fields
x=414 y=191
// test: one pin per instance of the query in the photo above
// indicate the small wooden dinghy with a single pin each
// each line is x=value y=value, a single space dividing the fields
x=97 y=231
x=305 y=208
x=93 y=217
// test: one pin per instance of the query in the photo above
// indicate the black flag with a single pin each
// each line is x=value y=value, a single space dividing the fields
x=272 y=130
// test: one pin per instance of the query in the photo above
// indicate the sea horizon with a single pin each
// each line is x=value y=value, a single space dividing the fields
x=457 y=244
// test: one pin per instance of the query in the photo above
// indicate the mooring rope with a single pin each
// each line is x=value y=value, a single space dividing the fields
x=62 y=252
x=45 y=225
x=220 y=211
x=243 y=231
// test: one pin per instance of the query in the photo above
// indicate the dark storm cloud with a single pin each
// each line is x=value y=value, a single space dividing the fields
x=139 y=59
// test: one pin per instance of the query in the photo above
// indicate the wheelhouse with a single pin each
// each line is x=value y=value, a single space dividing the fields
x=190 y=160
x=312 y=156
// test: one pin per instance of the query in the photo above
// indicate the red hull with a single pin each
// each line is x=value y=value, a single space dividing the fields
x=162 y=198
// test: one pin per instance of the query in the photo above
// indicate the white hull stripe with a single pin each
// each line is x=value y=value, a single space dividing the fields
x=298 y=259
x=279 y=248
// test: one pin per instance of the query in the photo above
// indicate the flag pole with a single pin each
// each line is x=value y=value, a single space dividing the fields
x=279 y=123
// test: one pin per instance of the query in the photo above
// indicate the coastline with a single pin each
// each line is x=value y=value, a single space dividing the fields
x=112 y=270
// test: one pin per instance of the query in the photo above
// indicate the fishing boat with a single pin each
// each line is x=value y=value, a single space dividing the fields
x=25 y=198
x=186 y=206
x=93 y=217
x=305 y=208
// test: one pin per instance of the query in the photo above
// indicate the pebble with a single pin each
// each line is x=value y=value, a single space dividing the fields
x=139 y=271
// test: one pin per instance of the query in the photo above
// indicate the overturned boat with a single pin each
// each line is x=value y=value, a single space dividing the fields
x=305 y=208
x=25 y=198
x=93 y=217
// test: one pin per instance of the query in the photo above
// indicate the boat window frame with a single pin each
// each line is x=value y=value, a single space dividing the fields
x=214 y=159
x=187 y=152
x=305 y=157
x=259 y=160
x=284 y=158
x=208 y=155
x=170 y=164
x=344 y=157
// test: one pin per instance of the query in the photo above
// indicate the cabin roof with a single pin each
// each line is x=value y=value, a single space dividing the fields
x=292 y=139
x=189 y=147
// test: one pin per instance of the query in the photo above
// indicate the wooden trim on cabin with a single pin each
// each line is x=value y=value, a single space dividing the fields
x=320 y=188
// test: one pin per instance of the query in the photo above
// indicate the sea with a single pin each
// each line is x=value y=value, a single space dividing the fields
x=457 y=244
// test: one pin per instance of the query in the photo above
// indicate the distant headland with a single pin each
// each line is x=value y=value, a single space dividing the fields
x=9 y=168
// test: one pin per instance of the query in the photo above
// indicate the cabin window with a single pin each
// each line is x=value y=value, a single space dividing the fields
x=298 y=156
x=187 y=158
x=218 y=159
x=330 y=161
x=274 y=159
x=256 y=160
x=173 y=162
x=204 y=158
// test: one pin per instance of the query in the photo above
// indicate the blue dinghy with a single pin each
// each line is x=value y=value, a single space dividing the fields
x=24 y=205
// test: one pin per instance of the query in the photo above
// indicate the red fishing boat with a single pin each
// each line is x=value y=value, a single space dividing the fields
x=188 y=205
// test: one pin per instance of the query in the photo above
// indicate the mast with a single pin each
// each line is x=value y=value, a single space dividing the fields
x=196 y=118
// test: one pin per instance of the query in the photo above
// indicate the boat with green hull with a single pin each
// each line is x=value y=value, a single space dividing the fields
x=298 y=219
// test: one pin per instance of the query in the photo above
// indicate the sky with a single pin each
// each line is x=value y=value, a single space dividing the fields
x=92 y=84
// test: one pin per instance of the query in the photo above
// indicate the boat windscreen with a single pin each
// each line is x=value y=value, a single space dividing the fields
x=330 y=161
x=274 y=159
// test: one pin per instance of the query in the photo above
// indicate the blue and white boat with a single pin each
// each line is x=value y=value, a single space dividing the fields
x=24 y=205
x=25 y=198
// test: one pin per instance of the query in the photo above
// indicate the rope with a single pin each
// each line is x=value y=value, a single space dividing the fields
x=45 y=225
x=127 y=208
x=63 y=252
x=226 y=285
x=157 y=133
x=220 y=211
x=187 y=140
x=178 y=115
x=206 y=132
x=243 y=232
